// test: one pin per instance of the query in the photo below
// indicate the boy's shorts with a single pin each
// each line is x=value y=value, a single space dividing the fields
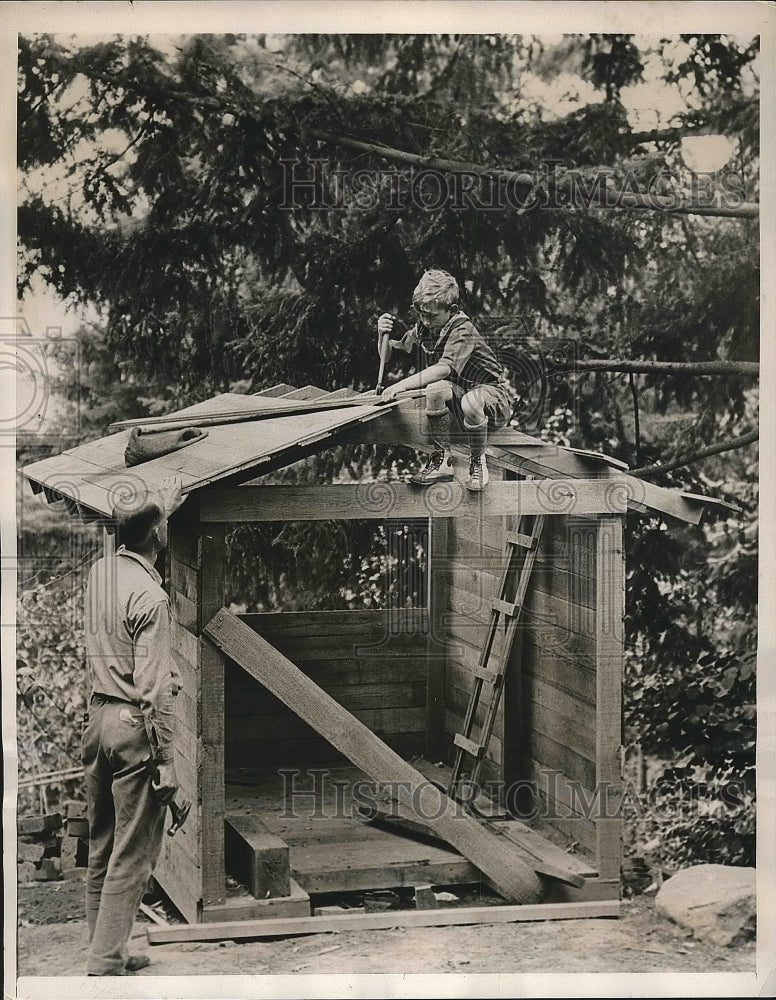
x=497 y=404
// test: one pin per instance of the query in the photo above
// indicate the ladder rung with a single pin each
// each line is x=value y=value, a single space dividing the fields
x=489 y=676
x=469 y=746
x=504 y=607
x=525 y=541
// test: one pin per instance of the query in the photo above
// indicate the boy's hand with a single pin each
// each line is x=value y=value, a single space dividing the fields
x=388 y=395
x=384 y=326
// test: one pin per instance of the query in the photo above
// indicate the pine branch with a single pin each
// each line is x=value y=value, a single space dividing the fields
x=648 y=471
x=561 y=184
x=673 y=134
x=744 y=368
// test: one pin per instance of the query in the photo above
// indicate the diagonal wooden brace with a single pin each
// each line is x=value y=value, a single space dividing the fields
x=493 y=855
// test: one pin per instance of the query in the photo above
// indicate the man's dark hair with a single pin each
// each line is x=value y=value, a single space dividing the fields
x=135 y=520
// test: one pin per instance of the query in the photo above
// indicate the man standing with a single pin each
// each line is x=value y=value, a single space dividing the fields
x=130 y=719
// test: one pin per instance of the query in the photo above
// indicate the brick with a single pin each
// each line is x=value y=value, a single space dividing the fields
x=49 y=870
x=77 y=826
x=75 y=853
x=425 y=898
x=26 y=872
x=74 y=810
x=29 y=852
x=39 y=824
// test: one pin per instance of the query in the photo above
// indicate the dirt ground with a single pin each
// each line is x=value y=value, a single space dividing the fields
x=52 y=941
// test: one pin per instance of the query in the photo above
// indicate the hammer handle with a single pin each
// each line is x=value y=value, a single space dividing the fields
x=383 y=352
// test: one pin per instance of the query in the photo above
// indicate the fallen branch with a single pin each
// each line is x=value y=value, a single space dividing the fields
x=561 y=183
x=648 y=471
x=745 y=368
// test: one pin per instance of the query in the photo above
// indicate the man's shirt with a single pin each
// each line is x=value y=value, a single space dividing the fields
x=471 y=359
x=129 y=642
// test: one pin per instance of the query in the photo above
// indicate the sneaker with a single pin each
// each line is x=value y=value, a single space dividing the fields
x=478 y=474
x=439 y=468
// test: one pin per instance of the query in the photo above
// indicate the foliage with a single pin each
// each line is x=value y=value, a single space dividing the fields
x=156 y=187
x=51 y=688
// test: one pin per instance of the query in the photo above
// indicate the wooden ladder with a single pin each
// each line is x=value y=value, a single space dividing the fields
x=518 y=565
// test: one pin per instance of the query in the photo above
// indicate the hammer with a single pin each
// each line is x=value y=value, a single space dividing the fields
x=179 y=810
x=401 y=329
x=384 y=348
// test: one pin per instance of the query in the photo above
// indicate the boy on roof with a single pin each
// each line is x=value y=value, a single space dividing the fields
x=456 y=366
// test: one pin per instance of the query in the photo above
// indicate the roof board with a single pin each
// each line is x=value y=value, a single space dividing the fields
x=94 y=474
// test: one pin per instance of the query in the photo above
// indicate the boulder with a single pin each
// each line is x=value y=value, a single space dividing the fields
x=716 y=902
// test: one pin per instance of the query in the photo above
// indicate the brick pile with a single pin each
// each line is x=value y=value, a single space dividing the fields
x=48 y=849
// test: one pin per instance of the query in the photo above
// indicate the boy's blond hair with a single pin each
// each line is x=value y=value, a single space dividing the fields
x=436 y=286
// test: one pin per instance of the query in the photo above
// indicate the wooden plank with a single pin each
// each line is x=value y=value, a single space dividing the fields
x=184 y=579
x=554 y=753
x=235 y=930
x=610 y=641
x=593 y=889
x=551 y=609
x=388 y=650
x=473 y=609
x=557 y=641
x=183 y=542
x=299 y=402
x=454 y=723
x=212 y=547
x=534 y=843
x=471 y=536
x=437 y=639
x=456 y=871
x=290 y=726
x=457 y=696
x=180 y=877
x=306 y=392
x=257 y=701
x=342 y=393
x=560 y=803
x=572 y=733
x=366 y=751
x=311 y=623
x=563 y=674
x=555 y=710
x=553 y=462
x=299 y=753
x=295 y=905
x=485 y=558
x=256 y=857
x=507 y=608
x=184 y=611
x=404 y=671
x=365 y=501
x=276 y=390
x=475 y=750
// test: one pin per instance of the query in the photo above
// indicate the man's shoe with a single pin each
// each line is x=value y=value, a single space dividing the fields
x=439 y=468
x=478 y=476
x=137 y=962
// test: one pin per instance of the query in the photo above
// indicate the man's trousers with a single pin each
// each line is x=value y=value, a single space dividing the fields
x=126 y=824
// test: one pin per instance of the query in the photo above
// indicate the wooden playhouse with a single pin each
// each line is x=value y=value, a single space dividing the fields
x=284 y=719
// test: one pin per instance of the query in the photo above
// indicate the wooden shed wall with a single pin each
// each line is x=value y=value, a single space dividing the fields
x=372 y=662
x=551 y=683
x=470 y=573
x=191 y=867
